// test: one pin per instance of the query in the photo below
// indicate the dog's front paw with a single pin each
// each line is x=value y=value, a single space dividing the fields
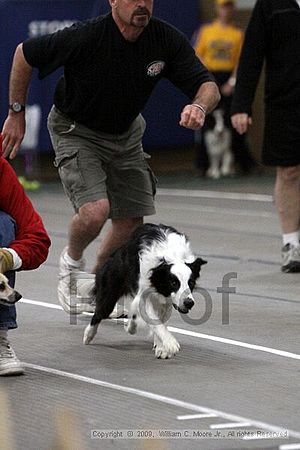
x=167 y=349
x=213 y=173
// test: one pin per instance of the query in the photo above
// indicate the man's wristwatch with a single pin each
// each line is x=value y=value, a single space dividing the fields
x=17 y=107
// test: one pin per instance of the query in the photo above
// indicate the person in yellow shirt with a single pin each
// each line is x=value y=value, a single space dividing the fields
x=218 y=45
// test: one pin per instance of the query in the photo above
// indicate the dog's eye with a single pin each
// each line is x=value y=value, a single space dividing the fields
x=174 y=283
x=2 y=287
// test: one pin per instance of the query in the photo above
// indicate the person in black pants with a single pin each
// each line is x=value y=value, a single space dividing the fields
x=273 y=36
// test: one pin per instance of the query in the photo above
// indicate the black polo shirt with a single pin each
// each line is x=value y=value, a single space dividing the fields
x=108 y=80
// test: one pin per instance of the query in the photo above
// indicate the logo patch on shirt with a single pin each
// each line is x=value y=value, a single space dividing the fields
x=155 y=68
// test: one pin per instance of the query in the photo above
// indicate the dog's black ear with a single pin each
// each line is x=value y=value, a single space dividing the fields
x=163 y=267
x=196 y=266
x=159 y=277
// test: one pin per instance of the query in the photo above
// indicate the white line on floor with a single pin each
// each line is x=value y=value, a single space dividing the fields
x=215 y=194
x=190 y=333
x=217 y=426
x=161 y=398
x=195 y=416
x=260 y=348
x=37 y=303
x=289 y=447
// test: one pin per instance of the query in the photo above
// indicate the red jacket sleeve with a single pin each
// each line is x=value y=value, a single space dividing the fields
x=32 y=241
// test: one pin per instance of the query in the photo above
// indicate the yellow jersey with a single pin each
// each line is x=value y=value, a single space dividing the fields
x=219 y=46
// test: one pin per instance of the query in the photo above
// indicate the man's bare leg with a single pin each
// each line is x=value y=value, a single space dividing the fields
x=86 y=226
x=287 y=196
x=117 y=235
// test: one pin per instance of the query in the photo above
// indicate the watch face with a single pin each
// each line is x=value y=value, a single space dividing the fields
x=16 y=107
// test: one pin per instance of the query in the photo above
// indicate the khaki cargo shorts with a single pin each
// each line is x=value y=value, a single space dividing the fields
x=94 y=165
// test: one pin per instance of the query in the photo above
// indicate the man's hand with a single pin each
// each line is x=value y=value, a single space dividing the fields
x=12 y=134
x=192 y=117
x=6 y=261
x=241 y=122
x=226 y=89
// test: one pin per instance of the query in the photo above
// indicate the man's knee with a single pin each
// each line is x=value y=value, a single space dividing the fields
x=289 y=174
x=7 y=235
x=94 y=214
x=7 y=229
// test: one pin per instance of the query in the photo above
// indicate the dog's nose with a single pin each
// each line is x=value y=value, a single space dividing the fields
x=18 y=296
x=188 y=303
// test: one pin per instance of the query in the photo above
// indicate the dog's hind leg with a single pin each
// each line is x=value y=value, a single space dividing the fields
x=91 y=330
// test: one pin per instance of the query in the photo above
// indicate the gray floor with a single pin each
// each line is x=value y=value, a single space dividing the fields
x=237 y=376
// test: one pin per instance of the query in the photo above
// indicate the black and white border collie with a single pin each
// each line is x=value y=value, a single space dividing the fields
x=155 y=269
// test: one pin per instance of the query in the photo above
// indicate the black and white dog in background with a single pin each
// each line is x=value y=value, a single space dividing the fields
x=155 y=270
x=217 y=138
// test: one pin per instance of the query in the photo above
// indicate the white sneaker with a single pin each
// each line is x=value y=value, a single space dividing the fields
x=75 y=287
x=9 y=363
x=290 y=258
x=68 y=290
x=86 y=303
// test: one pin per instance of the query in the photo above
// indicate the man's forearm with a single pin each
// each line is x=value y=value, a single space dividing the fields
x=13 y=129
x=19 y=78
x=208 y=96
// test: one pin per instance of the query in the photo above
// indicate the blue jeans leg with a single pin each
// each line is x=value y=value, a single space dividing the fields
x=7 y=234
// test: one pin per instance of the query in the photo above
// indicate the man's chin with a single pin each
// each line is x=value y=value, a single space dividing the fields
x=140 y=21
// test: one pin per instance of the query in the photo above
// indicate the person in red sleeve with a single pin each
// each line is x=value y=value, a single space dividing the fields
x=24 y=245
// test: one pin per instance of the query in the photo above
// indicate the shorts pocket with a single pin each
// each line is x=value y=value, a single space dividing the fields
x=64 y=157
x=145 y=156
x=69 y=171
x=153 y=179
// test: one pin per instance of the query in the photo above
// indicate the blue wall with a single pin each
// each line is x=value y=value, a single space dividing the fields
x=20 y=19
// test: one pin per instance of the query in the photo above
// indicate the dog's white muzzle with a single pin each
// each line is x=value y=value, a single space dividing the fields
x=185 y=301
